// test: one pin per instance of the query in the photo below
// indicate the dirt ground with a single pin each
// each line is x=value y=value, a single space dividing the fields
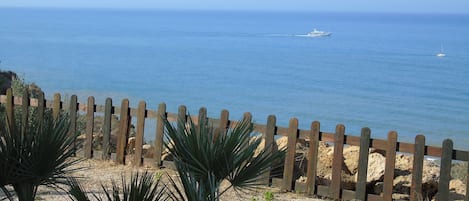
x=97 y=172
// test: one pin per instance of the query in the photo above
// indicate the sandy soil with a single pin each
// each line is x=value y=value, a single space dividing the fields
x=99 y=172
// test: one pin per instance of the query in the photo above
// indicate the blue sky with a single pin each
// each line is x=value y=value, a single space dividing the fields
x=412 y=6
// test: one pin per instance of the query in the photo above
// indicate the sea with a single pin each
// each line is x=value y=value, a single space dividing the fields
x=376 y=70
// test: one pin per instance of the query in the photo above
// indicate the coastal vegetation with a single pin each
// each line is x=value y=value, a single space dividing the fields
x=35 y=150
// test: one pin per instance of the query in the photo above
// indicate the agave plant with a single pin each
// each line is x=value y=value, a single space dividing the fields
x=204 y=158
x=34 y=152
x=142 y=187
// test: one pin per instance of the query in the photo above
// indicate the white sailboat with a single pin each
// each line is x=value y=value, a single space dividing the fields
x=441 y=53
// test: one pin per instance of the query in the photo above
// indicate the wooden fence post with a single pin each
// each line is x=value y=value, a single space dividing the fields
x=73 y=119
x=106 y=155
x=313 y=158
x=159 y=133
x=40 y=108
x=417 y=169
x=90 y=108
x=10 y=107
x=337 y=161
x=390 y=166
x=290 y=155
x=360 y=193
x=24 y=110
x=445 y=170
x=141 y=114
x=224 y=123
x=269 y=143
x=123 y=132
x=202 y=117
x=57 y=105
x=182 y=117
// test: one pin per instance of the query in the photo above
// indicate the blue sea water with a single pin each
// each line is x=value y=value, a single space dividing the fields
x=376 y=70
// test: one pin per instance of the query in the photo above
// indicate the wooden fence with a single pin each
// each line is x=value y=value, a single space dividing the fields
x=313 y=136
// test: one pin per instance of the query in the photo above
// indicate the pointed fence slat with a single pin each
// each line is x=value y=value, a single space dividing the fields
x=269 y=143
x=89 y=128
x=290 y=156
x=390 y=166
x=106 y=155
x=123 y=132
x=445 y=170
x=141 y=114
x=337 y=162
x=363 y=164
x=417 y=169
x=159 y=134
x=313 y=158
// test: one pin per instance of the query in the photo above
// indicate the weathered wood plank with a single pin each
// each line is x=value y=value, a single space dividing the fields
x=107 y=129
x=417 y=169
x=57 y=106
x=73 y=107
x=182 y=117
x=10 y=107
x=335 y=191
x=159 y=134
x=202 y=117
x=312 y=158
x=223 y=124
x=142 y=107
x=363 y=164
x=24 y=110
x=89 y=128
x=123 y=132
x=40 y=108
x=269 y=144
x=290 y=156
x=445 y=170
x=390 y=166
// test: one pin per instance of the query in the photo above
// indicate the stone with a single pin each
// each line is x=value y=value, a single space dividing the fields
x=376 y=166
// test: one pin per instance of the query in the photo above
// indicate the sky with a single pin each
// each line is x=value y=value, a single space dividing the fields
x=402 y=6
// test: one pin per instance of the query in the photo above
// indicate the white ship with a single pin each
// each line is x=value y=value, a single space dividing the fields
x=317 y=33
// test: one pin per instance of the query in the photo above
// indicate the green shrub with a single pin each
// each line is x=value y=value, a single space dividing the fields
x=34 y=152
x=204 y=160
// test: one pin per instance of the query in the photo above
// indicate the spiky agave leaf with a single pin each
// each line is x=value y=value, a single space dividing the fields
x=204 y=161
x=142 y=187
x=35 y=152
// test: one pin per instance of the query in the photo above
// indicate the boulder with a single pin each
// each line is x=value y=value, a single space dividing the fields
x=376 y=166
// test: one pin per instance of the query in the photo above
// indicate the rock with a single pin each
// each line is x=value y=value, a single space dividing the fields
x=351 y=154
x=376 y=166
x=130 y=145
x=148 y=151
x=457 y=186
x=404 y=162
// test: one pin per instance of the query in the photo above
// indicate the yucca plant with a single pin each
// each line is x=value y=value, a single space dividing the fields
x=142 y=187
x=34 y=152
x=204 y=159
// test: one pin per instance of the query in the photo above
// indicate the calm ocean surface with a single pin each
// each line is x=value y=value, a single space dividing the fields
x=376 y=70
